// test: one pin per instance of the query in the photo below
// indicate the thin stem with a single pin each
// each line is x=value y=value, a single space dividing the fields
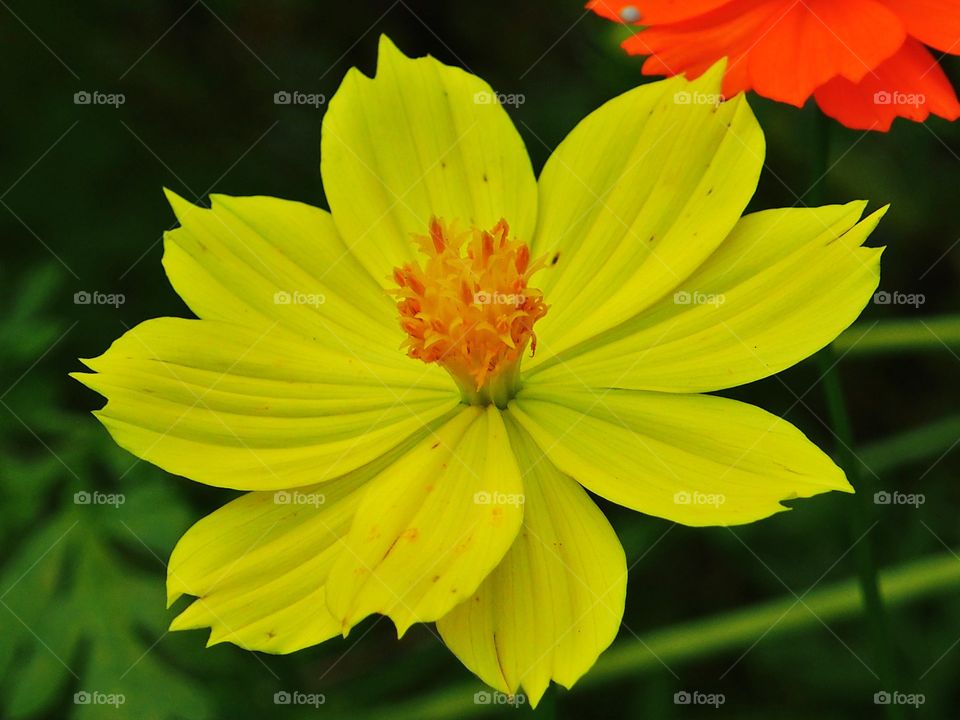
x=740 y=628
x=819 y=158
x=708 y=637
x=862 y=523
x=930 y=440
x=940 y=334
x=862 y=520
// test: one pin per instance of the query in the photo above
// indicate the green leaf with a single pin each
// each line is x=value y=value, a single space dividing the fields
x=81 y=617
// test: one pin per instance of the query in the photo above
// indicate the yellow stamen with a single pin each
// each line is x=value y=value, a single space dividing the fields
x=470 y=309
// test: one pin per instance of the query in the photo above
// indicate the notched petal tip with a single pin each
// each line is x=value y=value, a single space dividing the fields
x=386 y=46
x=401 y=625
x=838 y=481
x=856 y=207
x=84 y=378
x=178 y=204
x=184 y=621
x=712 y=79
x=95 y=382
x=881 y=213
x=847 y=487
x=709 y=82
x=389 y=55
x=862 y=230
x=176 y=588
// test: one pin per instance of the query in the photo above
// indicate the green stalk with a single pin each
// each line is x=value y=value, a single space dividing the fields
x=931 y=440
x=740 y=628
x=941 y=334
x=862 y=519
x=732 y=631
x=862 y=525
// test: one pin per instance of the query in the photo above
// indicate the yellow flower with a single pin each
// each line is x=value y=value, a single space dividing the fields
x=359 y=371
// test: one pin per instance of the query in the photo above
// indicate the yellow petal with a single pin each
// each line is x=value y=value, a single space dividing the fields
x=554 y=603
x=636 y=198
x=693 y=459
x=256 y=410
x=260 y=261
x=432 y=526
x=258 y=566
x=420 y=139
x=782 y=286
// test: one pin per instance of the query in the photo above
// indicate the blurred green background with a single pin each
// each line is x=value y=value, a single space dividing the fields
x=769 y=615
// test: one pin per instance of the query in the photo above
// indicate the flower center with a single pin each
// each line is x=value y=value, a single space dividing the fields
x=469 y=308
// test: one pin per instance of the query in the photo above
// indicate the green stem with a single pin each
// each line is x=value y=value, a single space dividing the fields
x=819 y=158
x=862 y=525
x=892 y=336
x=740 y=628
x=862 y=520
x=726 y=632
x=931 y=440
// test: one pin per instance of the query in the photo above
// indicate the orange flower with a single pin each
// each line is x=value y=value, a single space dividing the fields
x=864 y=61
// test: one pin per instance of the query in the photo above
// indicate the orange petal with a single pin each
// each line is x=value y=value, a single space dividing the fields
x=816 y=40
x=910 y=85
x=653 y=12
x=934 y=22
x=692 y=47
x=783 y=49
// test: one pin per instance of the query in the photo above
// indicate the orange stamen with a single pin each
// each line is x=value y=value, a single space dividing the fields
x=469 y=308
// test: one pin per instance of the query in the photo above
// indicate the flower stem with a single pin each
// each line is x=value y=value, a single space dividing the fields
x=891 y=336
x=862 y=525
x=711 y=636
x=739 y=628
x=862 y=520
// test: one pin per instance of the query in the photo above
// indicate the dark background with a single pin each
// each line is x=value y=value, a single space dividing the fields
x=81 y=208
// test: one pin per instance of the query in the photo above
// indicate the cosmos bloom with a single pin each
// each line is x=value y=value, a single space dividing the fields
x=418 y=388
x=864 y=61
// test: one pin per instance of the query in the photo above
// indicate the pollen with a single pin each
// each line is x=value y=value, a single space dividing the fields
x=469 y=307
